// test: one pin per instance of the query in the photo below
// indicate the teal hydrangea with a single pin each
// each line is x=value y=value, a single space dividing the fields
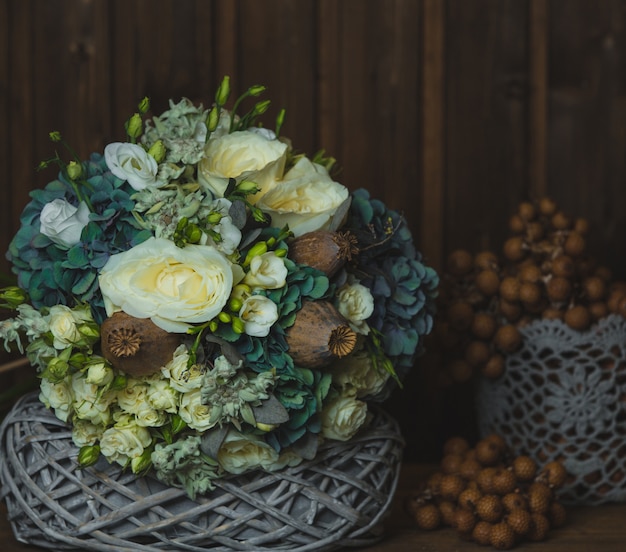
x=52 y=274
x=403 y=286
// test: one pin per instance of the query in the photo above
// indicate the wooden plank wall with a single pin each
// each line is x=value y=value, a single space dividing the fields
x=452 y=111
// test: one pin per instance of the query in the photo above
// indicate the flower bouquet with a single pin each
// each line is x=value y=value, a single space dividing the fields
x=203 y=303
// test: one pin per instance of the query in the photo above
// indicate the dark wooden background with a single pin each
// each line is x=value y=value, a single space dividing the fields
x=452 y=111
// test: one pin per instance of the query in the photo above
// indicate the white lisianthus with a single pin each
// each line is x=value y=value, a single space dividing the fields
x=132 y=163
x=242 y=155
x=173 y=287
x=194 y=413
x=181 y=377
x=84 y=433
x=57 y=396
x=133 y=397
x=229 y=234
x=123 y=443
x=266 y=271
x=89 y=403
x=62 y=222
x=258 y=314
x=99 y=373
x=342 y=417
x=306 y=199
x=240 y=453
x=162 y=396
x=357 y=373
x=356 y=303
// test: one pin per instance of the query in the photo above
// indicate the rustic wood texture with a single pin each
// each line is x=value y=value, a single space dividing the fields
x=451 y=111
x=587 y=529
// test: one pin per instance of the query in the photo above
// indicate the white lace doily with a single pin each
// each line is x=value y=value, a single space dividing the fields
x=563 y=396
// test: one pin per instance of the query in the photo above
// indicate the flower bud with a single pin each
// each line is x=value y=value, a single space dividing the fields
x=213 y=325
x=13 y=297
x=214 y=217
x=256 y=90
x=74 y=170
x=221 y=96
x=55 y=136
x=212 y=120
x=280 y=120
x=247 y=187
x=266 y=427
x=142 y=463
x=238 y=325
x=224 y=317
x=134 y=126
x=144 y=105
x=119 y=382
x=57 y=369
x=235 y=304
x=193 y=233
x=88 y=455
x=281 y=252
x=157 y=150
x=258 y=248
x=261 y=107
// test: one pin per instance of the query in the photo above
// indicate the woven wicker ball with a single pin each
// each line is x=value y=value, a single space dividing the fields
x=563 y=397
x=339 y=499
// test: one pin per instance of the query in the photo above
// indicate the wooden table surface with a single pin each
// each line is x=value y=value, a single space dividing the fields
x=588 y=529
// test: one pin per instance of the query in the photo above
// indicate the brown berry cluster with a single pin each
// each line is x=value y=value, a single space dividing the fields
x=490 y=496
x=544 y=272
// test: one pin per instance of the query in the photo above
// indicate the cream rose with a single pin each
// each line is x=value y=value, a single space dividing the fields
x=122 y=444
x=63 y=327
x=99 y=374
x=194 y=413
x=357 y=373
x=356 y=303
x=181 y=377
x=242 y=155
x=57 y=396
x=132 y=163
x=89 y=403
x=84 y=433
x=306 y=199
x=162 y=396
x=267 y=271
x=258 y=314
x=173 y=287
x=343 y=417
x=240 y=453
x=62 y=222
x=133 y=397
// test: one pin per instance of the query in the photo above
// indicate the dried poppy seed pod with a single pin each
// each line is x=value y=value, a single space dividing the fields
x=319 y=335
x=324 y=250
x=136 y=346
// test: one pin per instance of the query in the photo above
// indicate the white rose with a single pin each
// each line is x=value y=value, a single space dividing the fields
x=342 y=418
x=133 y=397
x=146 y=416
x=122 y=444
x=57 y=396
x=240 y=453
x=99 y=374
x=306 y=199
x=242 y=155
x=162 y=396
x=132 y=163
x=63 y=327
x=229 y=234
x=89 y=403
x=267 y=271
x=62 y=222
x=356 y=303
x=84 y=433
x=357 y=372
x=173 y=287
x=194 y=413
x=181 y=377
x=258 y=314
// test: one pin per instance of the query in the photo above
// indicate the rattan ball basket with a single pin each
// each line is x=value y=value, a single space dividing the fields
x=339 y=499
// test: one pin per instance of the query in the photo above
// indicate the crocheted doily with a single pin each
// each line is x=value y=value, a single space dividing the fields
x=563 y=397
x=339 y=499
